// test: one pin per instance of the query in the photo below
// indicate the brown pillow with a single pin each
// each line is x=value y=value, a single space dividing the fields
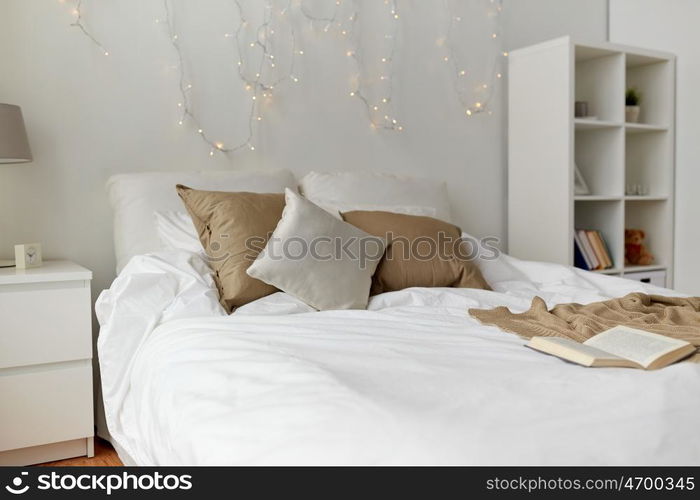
x=421 y=251
x=233 y=229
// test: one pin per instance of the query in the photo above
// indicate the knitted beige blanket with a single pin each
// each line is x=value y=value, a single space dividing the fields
x=677 y=317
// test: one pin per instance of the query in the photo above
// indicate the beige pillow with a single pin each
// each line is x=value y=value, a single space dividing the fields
x=233 y=228
x=422 y=251
x=322 y=261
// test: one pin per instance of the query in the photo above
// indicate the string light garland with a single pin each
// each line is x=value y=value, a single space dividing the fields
x=264 y=63
x=78 y=23
x=374 y=91
x=260 y=77
x=475 y=98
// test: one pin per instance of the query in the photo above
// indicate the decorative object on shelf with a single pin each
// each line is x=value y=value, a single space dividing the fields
x=636 y=253
x=637 y=190
x=28 y=255
x=581 y=109
x=632 y=109
x=580 y=185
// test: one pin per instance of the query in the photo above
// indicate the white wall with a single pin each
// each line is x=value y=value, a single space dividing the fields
x=532 y=21
x=673 y=26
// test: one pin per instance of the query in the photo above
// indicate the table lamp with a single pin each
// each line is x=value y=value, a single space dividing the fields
x=14 y=145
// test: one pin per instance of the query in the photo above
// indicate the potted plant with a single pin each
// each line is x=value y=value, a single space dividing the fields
x=632 y=109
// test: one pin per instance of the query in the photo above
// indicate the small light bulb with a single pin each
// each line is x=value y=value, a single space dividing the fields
x=301 y=52
x=349 y=53
x=106 y=53
x=200 y=131
x=219 y=145
x=352 y=94
x=446 y=58
x=180 y=122
x=252 y=44
x=505 y=54
x=259 y=118
x=254 y=97
x=477 y=104
x=493 y=35
x=179 y=104
x=384 y=99
x=211 y=153
x=383 y=59
x=252 y=148
x=396 y=16
x=376 y=108
x=485 y=86
x=498 y=75
x=189 y=85
x=400 y=128
x=462 y=73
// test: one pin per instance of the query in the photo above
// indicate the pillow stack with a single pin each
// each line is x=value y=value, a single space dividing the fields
x=259 y=243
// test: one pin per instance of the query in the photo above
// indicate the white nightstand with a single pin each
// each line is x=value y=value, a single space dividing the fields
x=45 y=363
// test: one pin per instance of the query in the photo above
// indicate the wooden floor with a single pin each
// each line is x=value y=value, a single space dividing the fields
x=104 y=456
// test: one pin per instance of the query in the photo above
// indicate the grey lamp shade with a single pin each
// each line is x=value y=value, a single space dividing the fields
x=14 y=145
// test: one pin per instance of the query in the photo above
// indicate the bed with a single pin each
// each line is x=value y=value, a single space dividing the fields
x=411 y=380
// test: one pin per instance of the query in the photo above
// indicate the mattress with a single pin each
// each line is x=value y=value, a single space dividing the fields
x=411 y=380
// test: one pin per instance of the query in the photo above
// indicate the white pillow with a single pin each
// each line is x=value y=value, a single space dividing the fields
x=346 y=191
x=176 y=231
x=135 y=198
x=320 y=260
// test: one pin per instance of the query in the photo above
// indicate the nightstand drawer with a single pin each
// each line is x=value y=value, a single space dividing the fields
x=45 y=406
x=44 y=323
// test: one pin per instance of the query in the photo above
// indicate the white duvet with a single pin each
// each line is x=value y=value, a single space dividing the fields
x=412 y=380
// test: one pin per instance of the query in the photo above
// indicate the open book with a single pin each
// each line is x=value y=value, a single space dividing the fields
x=619 y=346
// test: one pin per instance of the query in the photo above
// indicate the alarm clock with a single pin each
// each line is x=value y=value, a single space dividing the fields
x=28 y=255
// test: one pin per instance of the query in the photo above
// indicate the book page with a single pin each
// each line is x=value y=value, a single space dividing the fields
x=570 y=349
x=636 y=345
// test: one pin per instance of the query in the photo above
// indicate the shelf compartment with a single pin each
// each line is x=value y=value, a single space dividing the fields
x=648 y=159
x=656 y=220
x=606 y=217
x=653 y=78
x=599 y=155
x=599 y=80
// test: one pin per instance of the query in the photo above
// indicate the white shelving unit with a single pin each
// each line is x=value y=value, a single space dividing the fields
x=546 y=141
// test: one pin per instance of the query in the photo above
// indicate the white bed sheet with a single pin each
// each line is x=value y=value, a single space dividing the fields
x=412 y=380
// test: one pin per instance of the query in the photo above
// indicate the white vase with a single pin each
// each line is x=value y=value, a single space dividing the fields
x=632 y=114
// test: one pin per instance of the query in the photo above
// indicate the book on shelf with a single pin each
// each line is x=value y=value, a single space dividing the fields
x=620 y=346
x=590 y=251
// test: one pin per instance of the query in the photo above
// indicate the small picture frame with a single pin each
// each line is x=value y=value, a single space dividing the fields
x=580 y=185
x=28 y=255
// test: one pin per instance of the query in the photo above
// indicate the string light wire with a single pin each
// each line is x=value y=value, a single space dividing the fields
x=473 y=100
x=78 y=23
